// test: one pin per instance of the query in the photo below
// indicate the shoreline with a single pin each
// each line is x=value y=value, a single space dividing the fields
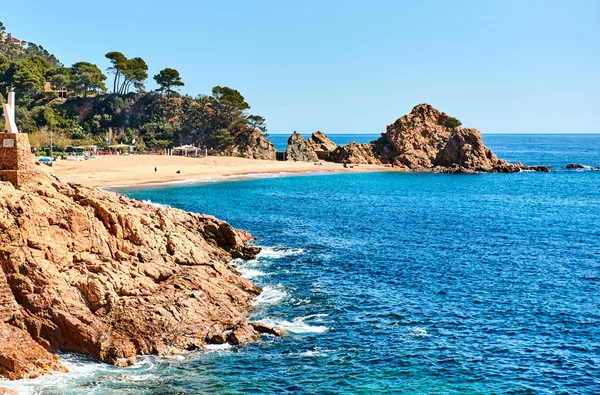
x=138 y=170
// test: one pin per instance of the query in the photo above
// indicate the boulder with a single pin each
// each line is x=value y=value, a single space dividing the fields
x=464 y=148
x=299 y=150
x=243 y=334
x=574 y=166
x=261 y=327
x=321 y=144
x=354 y=153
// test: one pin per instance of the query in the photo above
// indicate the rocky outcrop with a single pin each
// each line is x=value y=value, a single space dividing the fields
x=22 y=358
x=97 y=273
x=355 y=154
x=261 y=327
x=429 y=140
x=321 y=144
x=252 y=145
x=299 y=150
x=574 y=166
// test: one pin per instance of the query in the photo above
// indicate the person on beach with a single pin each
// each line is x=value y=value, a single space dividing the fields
x=155 y=169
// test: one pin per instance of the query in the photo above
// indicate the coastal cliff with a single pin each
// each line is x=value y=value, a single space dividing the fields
x=93 y=272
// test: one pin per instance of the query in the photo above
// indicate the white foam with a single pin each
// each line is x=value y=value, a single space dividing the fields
x=418 y=332
x=159 y=205
x=299 y=325
x=250 y=273
x=276 y=253
x=317 y=352
x=270 y=295
x=218 y=347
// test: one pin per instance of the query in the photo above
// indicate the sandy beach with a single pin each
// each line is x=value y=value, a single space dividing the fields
x=139 y=169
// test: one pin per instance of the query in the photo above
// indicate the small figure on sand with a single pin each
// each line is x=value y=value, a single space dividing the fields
x=155 y=169
x=178 y=171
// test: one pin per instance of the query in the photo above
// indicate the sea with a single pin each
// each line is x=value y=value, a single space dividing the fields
x=398 y=283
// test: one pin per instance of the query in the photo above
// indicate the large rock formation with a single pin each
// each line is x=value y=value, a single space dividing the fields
x=429 y=140
x=355 y=154
x=97 y=273
x=321 y=144
x=252 y=145
x=299 y=150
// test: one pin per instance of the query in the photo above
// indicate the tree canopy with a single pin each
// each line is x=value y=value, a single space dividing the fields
x=72 y=102
x=167 y=79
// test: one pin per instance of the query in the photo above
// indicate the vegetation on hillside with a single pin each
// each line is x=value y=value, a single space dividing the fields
x=77 y=105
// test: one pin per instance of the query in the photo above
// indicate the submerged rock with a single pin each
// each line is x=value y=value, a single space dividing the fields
x=93 y=272
x=299 y=150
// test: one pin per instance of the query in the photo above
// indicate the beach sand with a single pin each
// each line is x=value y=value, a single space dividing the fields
x=139 y=169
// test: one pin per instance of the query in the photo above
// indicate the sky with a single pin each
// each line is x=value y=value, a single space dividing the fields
x=350 y=66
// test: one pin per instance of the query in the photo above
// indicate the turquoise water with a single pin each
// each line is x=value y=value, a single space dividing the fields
x=401 y=283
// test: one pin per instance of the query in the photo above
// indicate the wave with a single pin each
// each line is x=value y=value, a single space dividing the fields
x=270 y=295
x=418 y=332
x=159 y=205
x=250 y=273
x=276 y=252
x=299 y=325
x=218 y=347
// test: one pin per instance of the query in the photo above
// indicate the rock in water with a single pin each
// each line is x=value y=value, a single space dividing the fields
x=321 y=144
x=429 y=140
x=261 y=327
x=97 y=273
x=299 y=150
x=574 y=166
x=464 y=148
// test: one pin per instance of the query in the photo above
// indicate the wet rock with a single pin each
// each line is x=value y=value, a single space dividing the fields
x=243 y=334
x=261 y=327
x=574 y=166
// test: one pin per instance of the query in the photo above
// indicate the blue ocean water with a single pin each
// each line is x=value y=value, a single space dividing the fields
x=401 y=283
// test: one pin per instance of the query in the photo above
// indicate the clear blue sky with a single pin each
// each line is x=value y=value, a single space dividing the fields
x=351 y=66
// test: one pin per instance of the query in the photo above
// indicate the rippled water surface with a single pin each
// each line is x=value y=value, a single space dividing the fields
x=401 y=283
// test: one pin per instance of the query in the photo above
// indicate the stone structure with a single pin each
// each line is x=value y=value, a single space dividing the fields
x=16 y=160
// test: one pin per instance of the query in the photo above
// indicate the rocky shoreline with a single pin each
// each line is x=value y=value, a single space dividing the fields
x=425 y=140
x=93 y=272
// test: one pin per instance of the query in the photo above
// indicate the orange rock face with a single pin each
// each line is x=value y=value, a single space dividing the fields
x=97 y=273
x=427 y=140
x=22 y=358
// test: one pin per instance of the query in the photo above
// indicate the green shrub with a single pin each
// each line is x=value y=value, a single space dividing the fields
x=452 y=123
